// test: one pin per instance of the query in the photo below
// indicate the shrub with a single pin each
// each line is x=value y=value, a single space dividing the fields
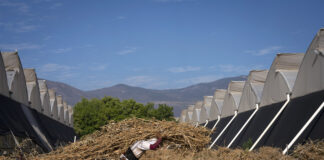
x=248 y=144
x=90 y=115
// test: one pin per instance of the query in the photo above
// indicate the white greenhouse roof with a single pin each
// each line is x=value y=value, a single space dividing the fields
x=310 y=77
x=205 y=110
x=53 y=101
x=33 y=89
x=4 y=90
x=189 y=113
x=281 y=78
x=252 y=90
x=217 y=104
x=15 y=77
x=196 y=112
x=44 y=96
x=232 y=98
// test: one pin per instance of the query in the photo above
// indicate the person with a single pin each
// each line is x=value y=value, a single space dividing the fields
x=138 y=148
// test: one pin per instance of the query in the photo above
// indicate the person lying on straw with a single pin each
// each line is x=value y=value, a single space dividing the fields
x=138 y=148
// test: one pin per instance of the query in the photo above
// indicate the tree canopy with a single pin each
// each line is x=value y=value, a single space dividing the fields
x=90 y=115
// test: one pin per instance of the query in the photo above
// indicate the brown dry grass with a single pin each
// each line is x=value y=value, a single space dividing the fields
x=114 y=139
x=181 y=141
x=264 y=153
x=312 y=150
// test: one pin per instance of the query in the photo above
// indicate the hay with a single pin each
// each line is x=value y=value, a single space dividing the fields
x=27 y=146
x=264 y=153
x=181 y=141
x=114 y=139
x=311 y=150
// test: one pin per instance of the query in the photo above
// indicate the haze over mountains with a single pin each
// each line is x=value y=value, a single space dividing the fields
x=178 y=98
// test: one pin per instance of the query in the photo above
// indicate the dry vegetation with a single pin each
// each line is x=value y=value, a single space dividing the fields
x=181 y=141
x=265 y=153
x=310 y=150
x=114 y=139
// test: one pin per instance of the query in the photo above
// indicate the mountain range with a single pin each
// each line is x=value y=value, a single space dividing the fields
x=178 y=98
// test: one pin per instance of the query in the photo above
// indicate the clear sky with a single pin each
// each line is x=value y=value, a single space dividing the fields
x=157 y=44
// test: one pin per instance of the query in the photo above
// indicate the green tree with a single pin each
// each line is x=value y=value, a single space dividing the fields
x=164 y=112
x=145 y=111
x=90 y=115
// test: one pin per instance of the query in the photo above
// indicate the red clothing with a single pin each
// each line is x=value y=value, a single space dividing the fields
x=156 y=144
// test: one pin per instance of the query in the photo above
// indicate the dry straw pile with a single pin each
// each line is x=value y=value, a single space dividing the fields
x=264 y=153
x=180 y=141
x=114 y=139
x=310 y=150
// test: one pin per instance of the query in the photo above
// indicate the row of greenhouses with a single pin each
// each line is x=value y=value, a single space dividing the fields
x=29 y=108
x=279 y=107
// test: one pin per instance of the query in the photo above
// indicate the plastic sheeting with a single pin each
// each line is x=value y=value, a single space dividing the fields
x=57 y=131
x=252 y=90
x=4 y=90
x=60 y=108
x=18 y=117
x=279 y=82
x=311 y=73
x=259 y=122
x=205 y=110
x=251 y=95
x=33 y=89
x=45 y=99
x=220 y=126
x=307 y=96
x=211 y=124
x=15 y=77
x=66 y=113
x=24 y=122
x=235 y=126
x=183 y=115
x=189 y=114
x=232 y=98
x=20 y=120
x=281 y=77
x=54 y=109
x=70 y=108
x=231 y=102
x=217 y=104
x=296 y=114
x=196 y=113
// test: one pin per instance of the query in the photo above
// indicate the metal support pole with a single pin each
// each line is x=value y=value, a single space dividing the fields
x=218 y=119
x=206 y=123
x=272 y=121
x=303 y=128
x=196 y=124
x=235 y=114
x=245 y=124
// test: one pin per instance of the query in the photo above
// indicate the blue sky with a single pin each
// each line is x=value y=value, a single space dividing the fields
x=158 y=44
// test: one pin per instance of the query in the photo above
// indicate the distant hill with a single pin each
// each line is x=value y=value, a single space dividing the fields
x=178 y=98
x=70 y=94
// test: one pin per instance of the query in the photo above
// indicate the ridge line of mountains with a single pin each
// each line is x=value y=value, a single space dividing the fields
x=178 y=98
